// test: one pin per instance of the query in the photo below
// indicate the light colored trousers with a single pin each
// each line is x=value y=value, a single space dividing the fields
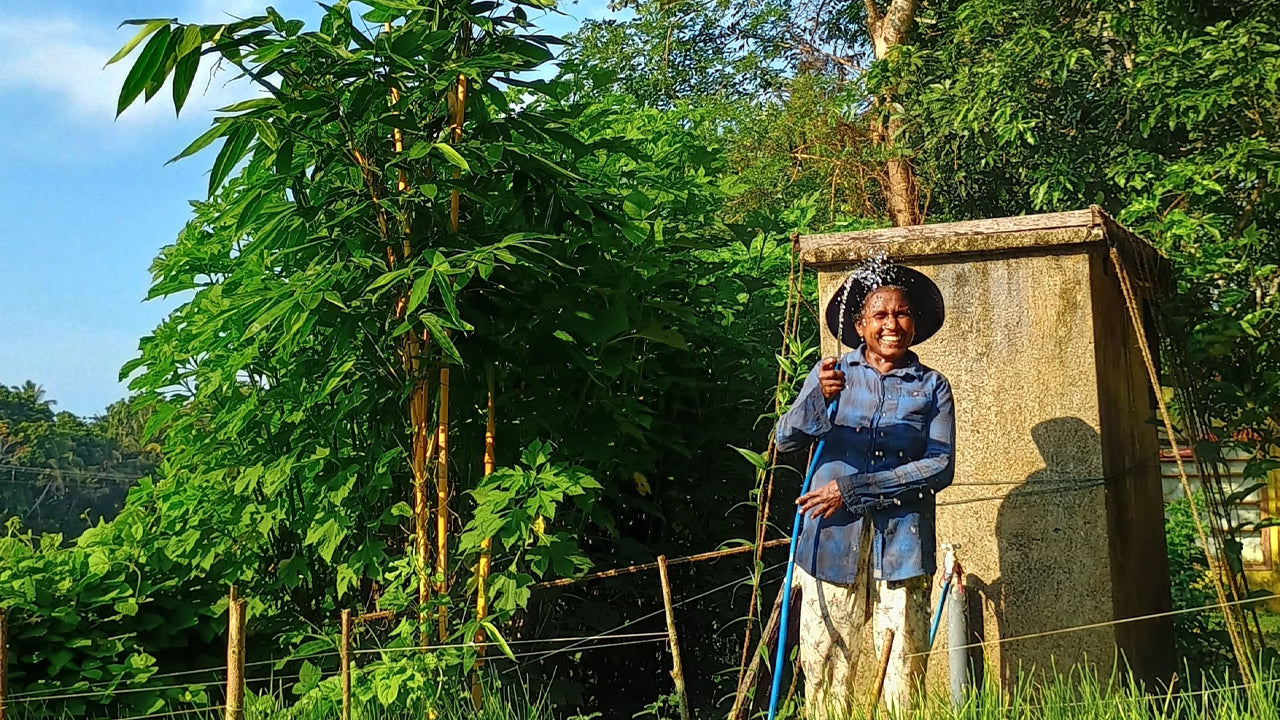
x=832 y=620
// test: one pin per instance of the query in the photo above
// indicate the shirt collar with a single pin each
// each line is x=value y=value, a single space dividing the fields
x=911 y=369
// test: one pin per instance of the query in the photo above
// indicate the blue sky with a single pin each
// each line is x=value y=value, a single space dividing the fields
x=86 y=200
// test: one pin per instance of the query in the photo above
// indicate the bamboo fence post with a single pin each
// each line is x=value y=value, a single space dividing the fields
x=486 y=545
x=235 y=657
x=4 y=657
x=344 y=651
x=881 y=672
x=677 y=669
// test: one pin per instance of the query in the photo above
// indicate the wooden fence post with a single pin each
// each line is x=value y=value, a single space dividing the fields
x=677 y=669
x=235 y=657
x=344 y=655
x=4 y=658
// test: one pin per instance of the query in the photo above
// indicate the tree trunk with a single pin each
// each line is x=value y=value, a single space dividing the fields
x=888 y=30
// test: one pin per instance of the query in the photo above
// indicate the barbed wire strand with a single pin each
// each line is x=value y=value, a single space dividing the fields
x=1089 y=626
x=456 y=646
x=175 y=713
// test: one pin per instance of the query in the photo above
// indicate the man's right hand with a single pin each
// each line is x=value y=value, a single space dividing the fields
x=830 y=380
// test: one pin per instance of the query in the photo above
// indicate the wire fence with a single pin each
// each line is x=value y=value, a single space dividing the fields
x=607 y=639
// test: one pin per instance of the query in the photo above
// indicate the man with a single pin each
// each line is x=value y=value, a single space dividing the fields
x=867 y=546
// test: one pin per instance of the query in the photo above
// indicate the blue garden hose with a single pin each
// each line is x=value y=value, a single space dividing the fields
x=791 y=566
x=937 y=614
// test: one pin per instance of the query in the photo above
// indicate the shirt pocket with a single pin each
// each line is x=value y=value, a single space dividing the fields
x=915 y=406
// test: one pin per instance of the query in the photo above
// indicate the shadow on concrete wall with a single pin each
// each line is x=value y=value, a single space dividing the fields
x=1050 y=531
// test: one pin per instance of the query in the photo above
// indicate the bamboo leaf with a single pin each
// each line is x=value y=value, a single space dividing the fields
x=440 y=335
x=183 y=75
x=202 y=142
x=233 y=150
x=284 y=157
x=452 y=156
x=252 y=104
x=148 y=27
x=421 y=287
x=140 y=74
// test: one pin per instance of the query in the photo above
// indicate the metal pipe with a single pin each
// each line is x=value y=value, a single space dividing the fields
x=958 y=641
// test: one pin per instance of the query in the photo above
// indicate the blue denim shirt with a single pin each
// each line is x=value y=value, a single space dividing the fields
x=890 y=450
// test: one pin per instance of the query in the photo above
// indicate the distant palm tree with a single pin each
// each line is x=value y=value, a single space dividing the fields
x=34 y=393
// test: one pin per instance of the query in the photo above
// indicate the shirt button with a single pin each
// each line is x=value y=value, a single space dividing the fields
x=899 y=453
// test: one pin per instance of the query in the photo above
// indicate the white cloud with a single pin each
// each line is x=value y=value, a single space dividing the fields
x=63 y=59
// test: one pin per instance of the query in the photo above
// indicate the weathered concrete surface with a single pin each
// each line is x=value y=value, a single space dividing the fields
x=1057 y=500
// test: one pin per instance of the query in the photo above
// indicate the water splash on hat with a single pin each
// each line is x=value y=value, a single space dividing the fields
x=875 y=271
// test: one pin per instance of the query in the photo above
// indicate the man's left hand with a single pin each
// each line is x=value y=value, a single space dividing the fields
x=823 y=502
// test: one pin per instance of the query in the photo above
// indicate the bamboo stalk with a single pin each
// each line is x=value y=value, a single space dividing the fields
x=345 y=660
x=486 y=546
x=766 y=480
x=677 y=668
x=4 y=658
x=442 y=500
x=422 y=450
x=764 y=649
x=423 y=443
x=881 y=672
x=459 y=116
x=235 y=657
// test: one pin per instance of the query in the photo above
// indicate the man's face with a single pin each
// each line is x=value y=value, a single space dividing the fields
x=886 y=324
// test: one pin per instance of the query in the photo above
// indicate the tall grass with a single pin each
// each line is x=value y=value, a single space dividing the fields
x=1076 y=696
x=1083 y=696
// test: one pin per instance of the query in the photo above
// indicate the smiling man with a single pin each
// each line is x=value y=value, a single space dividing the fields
x=866 y=552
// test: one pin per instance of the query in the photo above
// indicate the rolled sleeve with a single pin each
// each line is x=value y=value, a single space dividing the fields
x=807 y=419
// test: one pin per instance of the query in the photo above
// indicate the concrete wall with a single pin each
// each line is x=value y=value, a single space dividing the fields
x=1050 y=404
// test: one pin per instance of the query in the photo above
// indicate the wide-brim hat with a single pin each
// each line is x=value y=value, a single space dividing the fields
x=845 y=305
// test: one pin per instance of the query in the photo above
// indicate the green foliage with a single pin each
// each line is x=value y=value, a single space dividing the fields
x=1199 y=637
x=517 y=508
x=66 y=609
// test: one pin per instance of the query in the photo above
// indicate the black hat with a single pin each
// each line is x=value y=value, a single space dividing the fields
x=925 y=298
